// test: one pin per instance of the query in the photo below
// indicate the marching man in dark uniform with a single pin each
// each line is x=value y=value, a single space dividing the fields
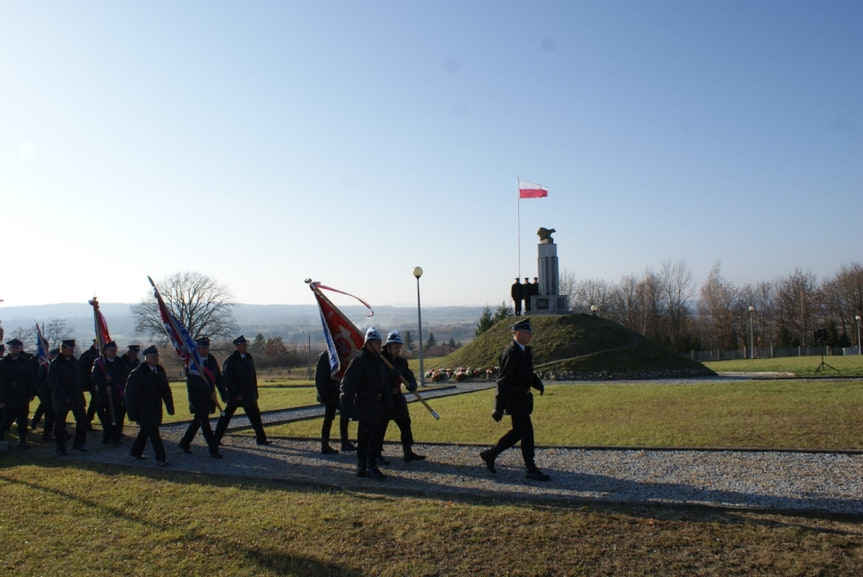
x=328 y=396
x=516 y=291
x=43 y=390
x=363 y=397
x=17 y=388
x=241 y=383
x=130 y=358
x=85 y=368
x=514 y=398
x=146 y=389
x=67 y=395
x=202 y=400
x=109 y=379
x=399 y=412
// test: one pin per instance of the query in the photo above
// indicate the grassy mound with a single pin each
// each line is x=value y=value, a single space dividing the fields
x=578 y=346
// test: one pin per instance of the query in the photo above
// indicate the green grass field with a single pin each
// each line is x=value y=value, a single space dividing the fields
x=845 y=366
x=76 y=518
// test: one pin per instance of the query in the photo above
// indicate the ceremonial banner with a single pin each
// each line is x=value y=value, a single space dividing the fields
x=102 y=335
x=181 y=340
x=344 y=340
x=42 y=348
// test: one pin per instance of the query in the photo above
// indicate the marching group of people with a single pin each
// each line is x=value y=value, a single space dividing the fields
x=123 y=386
x=369 y=392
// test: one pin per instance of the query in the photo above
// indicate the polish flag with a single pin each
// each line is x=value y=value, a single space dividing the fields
x=531 y=190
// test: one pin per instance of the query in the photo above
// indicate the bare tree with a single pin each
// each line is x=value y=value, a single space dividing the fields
x=796 y=305
x=716 y=306
x=204 y=307
x=843 y=297
x=676 y=288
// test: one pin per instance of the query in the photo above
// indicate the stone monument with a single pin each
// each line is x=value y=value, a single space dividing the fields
x=549 y=301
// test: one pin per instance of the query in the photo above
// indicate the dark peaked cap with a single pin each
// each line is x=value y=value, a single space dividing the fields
x=522 y=325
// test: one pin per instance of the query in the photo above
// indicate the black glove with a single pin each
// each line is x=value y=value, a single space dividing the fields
x=537 y=384
x=497 y=415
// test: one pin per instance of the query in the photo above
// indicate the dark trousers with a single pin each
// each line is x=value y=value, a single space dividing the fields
x=404 y=423
x=46 y=409
x=517 y=306
x=201 y=421
x=329 y=417
x=252 y=412
x=80 y=428
x=148 y=432
x=369 y=439
x=522 y=430
x=19 y=414
x=111 y=431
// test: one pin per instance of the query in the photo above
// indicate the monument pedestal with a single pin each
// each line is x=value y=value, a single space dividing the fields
x=549 y=300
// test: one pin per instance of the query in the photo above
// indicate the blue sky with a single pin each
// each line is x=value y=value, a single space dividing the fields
x=262 y=143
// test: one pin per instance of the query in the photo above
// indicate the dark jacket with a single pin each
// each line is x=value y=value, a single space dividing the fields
x=85 y=368
x=515 y=381
x=516 y=291
x=201 y=389
x=66 y=391
x=240 y=378
x=400 y=369
x=17 y=380
x=145 y=391
x=364 y=393
x=103 y=368
x=327 y=386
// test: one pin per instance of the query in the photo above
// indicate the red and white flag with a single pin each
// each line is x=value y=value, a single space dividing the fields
x=344 y=340
x=531 y=190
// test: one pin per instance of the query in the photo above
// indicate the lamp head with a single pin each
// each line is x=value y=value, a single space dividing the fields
x=418 y=272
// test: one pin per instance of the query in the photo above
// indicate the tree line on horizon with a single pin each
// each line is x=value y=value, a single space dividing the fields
x=665 y=306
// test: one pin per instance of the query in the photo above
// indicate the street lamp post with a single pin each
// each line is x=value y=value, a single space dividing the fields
x=751 y=333
x=857 y=318
x=418 y=272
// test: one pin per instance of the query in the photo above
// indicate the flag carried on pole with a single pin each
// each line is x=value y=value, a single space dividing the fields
x=182 y=341
x=531 y=190
x=42 y=348
x=344 y=340
x=101 y=326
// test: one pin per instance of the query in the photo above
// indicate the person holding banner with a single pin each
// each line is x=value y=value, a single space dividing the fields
x=109 y=379
x=328 y=396
x=364 y=397
x=398 y=374
x=241 y=383
x=202 y=400
x=146 y=389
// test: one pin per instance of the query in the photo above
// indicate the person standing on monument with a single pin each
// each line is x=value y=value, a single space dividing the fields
x=516 y=291
x=514 y=398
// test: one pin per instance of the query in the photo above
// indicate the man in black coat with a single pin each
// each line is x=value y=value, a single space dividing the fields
x=109 y=376
x=67 y=395
x=241 y=383
x=516 y=291
x=17 y=388
x=146 y=389
x=130 y=358
x=43 y=390
x=202 y=400
x=364 y=396
x=328 y=396
x=399 y=411
x=514 y=398
x=85 y=368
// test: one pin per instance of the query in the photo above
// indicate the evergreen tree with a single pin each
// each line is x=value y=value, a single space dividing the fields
x=409 y=342
x=431 y=342
x=485 y=321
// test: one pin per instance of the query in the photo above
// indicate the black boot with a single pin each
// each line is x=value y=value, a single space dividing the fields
x=535 y=474
x=411 y=456
x=489 y=455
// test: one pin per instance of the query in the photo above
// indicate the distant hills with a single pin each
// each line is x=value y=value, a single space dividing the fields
x=296 y=324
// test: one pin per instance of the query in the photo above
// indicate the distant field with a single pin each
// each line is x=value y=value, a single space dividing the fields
x=844 y=366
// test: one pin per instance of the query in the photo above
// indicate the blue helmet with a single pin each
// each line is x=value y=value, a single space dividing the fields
x=394 y=337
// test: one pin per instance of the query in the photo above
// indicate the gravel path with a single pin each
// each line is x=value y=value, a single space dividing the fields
x=803 y=482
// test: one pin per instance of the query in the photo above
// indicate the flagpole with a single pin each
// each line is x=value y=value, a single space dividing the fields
x=518 y=221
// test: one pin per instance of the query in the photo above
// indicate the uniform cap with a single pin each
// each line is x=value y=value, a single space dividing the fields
x=240 y=340
x=522 y=325
x=110 y=345
x=15 y=343
x=372 y=334
x=151 y=350
x=203 y=342
x=394 y=337
x=69 y=343
x=135 y=348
